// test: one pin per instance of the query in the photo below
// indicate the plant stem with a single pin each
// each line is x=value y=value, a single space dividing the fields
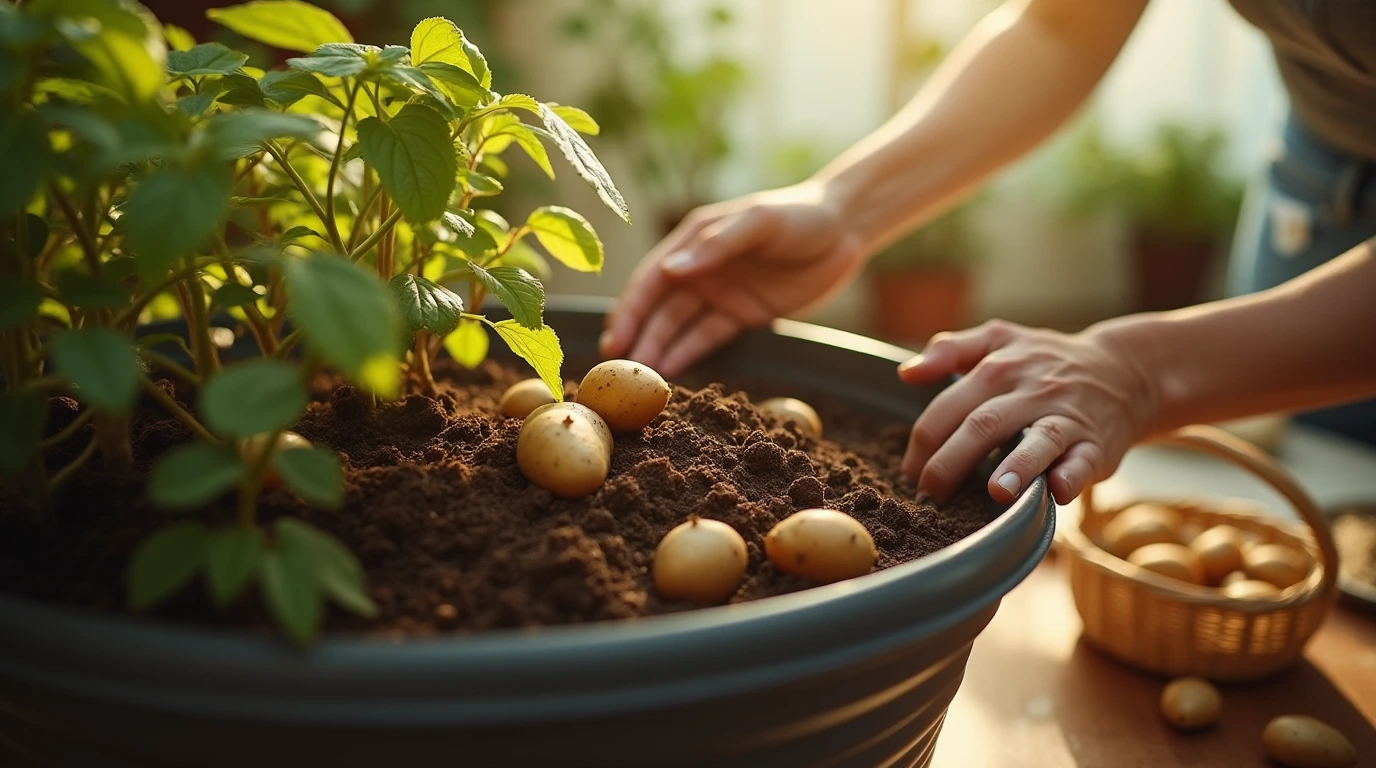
x=65 y=434
x=62 y=475
x=421 y=360
x=131 y=314
x=253 y=482
x=330 y=223
x=262 y=332
x=178 y=412
x=306 y=192
x=378 y=234
x=368 y=203
x=288 y=342
x=88 y=243
x=207 y=362
x=179 y=371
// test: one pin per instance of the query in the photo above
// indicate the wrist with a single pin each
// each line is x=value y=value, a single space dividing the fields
x=1138 y=347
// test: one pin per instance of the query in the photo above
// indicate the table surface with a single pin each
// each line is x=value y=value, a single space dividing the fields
x=1036 y=695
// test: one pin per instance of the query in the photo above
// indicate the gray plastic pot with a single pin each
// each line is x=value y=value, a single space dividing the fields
x=853 y=674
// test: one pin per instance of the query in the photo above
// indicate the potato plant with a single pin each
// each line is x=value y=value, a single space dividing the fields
x=329 y=208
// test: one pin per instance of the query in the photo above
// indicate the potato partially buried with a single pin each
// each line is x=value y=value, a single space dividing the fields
x=566 y=449
x=700 y=560
x=794 y=410
x=821 y=544
x=525 y=396
x=626 y=394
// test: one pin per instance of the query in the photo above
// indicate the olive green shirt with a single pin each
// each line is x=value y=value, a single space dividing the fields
x=1326 y=52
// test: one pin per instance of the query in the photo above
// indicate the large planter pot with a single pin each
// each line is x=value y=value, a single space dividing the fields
x=912 y=304
x=858 y=673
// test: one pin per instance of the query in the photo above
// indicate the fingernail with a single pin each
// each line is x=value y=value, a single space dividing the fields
x=909 y=364
x=679 y=261
x=1010 y=482
x=1068 y=479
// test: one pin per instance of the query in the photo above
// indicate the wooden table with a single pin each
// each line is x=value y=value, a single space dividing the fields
x=1035 y=695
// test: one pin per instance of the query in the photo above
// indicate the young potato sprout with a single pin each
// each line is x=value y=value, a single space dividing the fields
x=625 y=393
x=1220 y=551
x=1276 y=564
x=1191 y=703
x=563 y=449
x=821 y=544
x=796 y=411
x=700 y=560
x=1138 y=526
x=525 y=396
x=252 y=451
x=1304 y=742
x=1174 y=560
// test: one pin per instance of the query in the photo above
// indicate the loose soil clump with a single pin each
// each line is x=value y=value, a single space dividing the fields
x=453 y=537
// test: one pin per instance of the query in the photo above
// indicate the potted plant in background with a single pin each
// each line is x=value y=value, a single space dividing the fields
x=920 y=285
x=1176 y=197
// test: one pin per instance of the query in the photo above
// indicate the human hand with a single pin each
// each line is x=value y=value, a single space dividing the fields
x=1081 y=397
x=729 y=267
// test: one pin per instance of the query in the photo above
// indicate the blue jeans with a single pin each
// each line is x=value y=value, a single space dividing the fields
x=1313 y=204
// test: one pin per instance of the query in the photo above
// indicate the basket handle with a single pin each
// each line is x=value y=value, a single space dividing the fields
x=1216 y=442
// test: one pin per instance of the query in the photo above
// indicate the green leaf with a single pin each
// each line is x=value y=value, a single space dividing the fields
x=286 y=87
x=240 y=133
x=425 y=305
x=155 y=339
x=454 y=222
x=296 y=233
x=568 y=237
x=126 y=50
x=37 y=234
x=438 y=40
x=344 y=311
x=173 y=212
x=196 y=104
x=414 y=160
x=481 y=185
x=337 y=571
x=468 y=343
x=18 y=301
x=205 y=59
x=178 y=39
x=530 y=143
x=290 y=589
x=252 y=398
x=164 y=562
x=539 y=348
x=314 y=473
x=288 y=24
x=522 y=256
x=22 y=414
x=475 y=244
x=100 y=363
x=233 y=295
x=464 y=90
x=88 y=292
x=231 y=556
x=194 y=474
x=333 y=60
x=518 y=291
x=576 y=118
x=241 y=91
x=27 y=156
x=581 y=157
x=416 y=79
x=515 y=101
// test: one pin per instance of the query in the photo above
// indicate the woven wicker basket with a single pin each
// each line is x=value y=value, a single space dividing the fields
x=1173 y=628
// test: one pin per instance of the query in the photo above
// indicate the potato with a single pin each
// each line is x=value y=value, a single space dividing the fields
x=1299 y=741
x=1191 y=703
x=1188 y=532
x=525 y=396
x=821 y=544
x=1140 y=525
x=625 y=393
x=796 y=411
x=1220 y=552
x=700 y=560
x=1174 y=560
x=1248 y=589
x=1233 y=578
x=604 y=433
x=1277 y=564
x=564 y=448
x=251 y=449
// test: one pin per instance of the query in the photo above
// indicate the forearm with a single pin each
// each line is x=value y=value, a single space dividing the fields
x=1009 y=84
x=1305 y=344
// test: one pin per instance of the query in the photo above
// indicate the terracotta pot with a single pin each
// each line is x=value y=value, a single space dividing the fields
x=1170 y=270
x=911 y=305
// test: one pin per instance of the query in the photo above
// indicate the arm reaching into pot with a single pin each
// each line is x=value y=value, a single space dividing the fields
x=741 y=263
x=1086 y=398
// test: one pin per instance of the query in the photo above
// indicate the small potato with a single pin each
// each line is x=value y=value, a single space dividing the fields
x=1140 y=525
x=525 y=396
x=625 y=393
x=251 y=449
x=1191 y=703
x=821 y=544
x=563 y=449
x=1188 y=532
x=1299 y=741
x=1277 y=564
x=700 y=560
x=794 y=410
x=1249 y=588
x=1233 y=578
x=1220 y=551
x=1174 y=560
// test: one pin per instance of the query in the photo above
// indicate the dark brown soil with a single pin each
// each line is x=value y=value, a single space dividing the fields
x=451 y=535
